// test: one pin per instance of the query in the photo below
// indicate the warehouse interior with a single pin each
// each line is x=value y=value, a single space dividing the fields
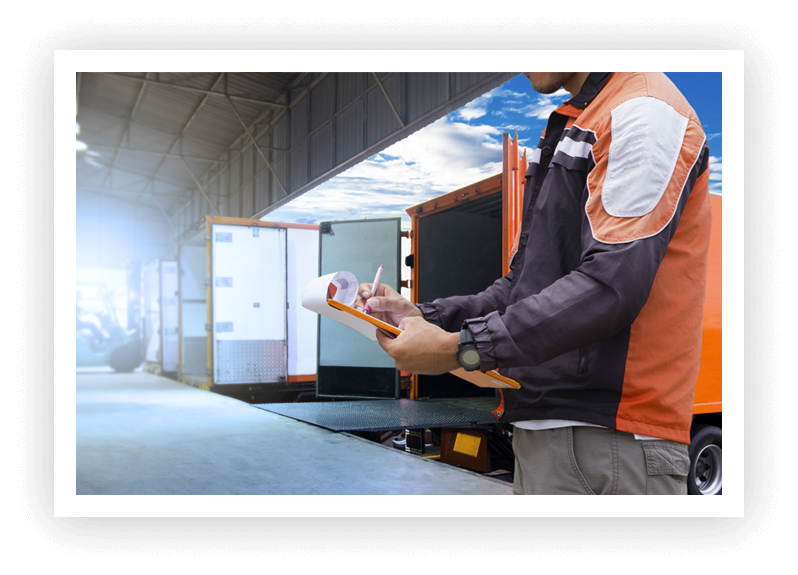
x=175 y=172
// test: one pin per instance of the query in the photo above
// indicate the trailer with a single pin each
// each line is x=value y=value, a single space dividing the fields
x=242 y=330
x=478 y=223
x=159 y=281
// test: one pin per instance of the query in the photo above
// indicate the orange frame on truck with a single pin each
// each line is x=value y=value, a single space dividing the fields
x=705 y=451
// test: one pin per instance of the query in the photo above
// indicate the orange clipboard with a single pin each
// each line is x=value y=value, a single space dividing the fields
x=478 y=378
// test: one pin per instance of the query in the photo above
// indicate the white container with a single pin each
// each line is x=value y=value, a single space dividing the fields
x=240 y=313
x=161 y=311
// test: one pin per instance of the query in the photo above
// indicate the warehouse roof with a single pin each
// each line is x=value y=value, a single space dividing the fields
x=242 y=144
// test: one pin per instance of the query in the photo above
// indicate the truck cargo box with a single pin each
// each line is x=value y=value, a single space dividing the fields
x=241 y=323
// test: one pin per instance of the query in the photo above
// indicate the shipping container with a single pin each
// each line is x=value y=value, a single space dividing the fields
x=243 y=331
x=160 y=310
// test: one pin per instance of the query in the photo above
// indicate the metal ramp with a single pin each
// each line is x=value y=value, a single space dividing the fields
x=381 y=415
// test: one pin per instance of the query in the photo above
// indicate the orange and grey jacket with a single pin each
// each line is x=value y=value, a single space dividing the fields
x=600 y=317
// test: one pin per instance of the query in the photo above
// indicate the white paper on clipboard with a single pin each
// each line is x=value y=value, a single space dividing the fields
x=341 y=287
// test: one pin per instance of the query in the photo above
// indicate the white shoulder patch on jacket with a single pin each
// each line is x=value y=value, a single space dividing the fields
x=647 y=136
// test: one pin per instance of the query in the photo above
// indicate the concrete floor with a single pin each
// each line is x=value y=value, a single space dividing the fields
x=142 y=434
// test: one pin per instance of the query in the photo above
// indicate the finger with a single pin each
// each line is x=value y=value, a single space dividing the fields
x=384 y=290
x=390 y=303
x=364 y=291
x=385 y=341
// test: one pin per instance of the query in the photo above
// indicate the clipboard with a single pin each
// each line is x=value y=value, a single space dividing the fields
x=478 y=378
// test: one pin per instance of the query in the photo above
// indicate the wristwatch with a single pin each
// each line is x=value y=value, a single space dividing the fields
x=467 y=354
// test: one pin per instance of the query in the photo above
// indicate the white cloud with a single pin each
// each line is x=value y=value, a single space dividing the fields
x=545 y=104
x=444 y=156
x=715 y=174
x=514 y=128
x=715 y=168
x=471 y=113
x=478 y=107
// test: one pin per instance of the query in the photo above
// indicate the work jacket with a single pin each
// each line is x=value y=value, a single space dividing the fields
x=600 y=317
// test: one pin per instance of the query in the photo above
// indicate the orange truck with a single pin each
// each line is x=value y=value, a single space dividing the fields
x=485 y=217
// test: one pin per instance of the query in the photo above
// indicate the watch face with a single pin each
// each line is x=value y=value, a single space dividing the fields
x=470 y=357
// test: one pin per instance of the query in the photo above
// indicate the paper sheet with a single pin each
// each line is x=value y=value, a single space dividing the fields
x=341 y=287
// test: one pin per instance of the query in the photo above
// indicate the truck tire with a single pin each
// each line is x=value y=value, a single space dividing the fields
x=706 y=461
x=125 y=358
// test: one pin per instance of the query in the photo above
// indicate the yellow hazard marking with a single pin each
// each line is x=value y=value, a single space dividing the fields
x=467 y=444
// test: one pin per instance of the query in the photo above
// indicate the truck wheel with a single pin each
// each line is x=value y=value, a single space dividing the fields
x=706 y=461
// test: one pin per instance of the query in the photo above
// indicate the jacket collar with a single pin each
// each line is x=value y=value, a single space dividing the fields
x=590 y=89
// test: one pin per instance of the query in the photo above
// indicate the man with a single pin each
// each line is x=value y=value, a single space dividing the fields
x=600 y=317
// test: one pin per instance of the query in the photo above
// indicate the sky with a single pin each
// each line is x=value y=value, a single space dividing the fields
x=465 y=147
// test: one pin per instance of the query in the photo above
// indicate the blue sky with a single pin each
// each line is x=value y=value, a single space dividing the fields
x=465 y=147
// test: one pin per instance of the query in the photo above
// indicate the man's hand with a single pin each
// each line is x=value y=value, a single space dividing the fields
x=422 y=347
x=386 y=304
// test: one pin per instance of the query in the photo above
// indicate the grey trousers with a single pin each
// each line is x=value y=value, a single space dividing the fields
x=596 y=461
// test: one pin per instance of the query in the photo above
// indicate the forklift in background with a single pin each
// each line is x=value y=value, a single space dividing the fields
x=100 y=339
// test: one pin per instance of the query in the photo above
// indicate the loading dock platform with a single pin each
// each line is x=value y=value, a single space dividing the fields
x=139 y=433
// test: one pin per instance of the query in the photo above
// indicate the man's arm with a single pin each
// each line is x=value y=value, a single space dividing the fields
x=450 y=313
x=635 y=197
